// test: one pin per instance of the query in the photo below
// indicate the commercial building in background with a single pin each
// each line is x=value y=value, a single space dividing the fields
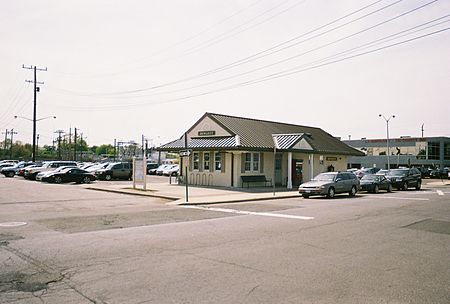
x=227 y=151
x=429 y=152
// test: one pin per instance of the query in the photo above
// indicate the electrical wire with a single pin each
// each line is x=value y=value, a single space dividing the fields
x=268 y=77
x=295 y=56
x=253 y=56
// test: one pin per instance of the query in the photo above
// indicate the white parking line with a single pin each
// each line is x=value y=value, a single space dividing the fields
x=399 y=198
x=296 y=217
x=439 y=192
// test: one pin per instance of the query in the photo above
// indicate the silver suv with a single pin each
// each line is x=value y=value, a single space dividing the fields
x=330 y=183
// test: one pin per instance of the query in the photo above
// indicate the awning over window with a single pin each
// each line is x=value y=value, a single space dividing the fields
x=204 y=143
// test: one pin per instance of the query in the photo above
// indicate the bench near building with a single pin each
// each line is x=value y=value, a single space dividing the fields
x=242 y=152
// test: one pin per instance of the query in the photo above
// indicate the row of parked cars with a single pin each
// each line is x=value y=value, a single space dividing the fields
x=71 y=171
x=331 y=183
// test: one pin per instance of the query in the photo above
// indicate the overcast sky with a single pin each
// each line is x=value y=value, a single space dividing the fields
x=120 y=69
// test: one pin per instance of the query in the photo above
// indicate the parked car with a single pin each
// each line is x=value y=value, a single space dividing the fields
x=97 y=167
x=404 y=178
x=329 y=184
x=43 y=174
x=171 y=170
x=9 y=161
x=120 y=170
x=363 y=171
x=151 y=168
x=375 y=182
x=21 y=171
x=68 y=175
x=5 y=165
x=160 y=169
x=383 y=172
x=30 y=173
x=439 y=173
x=13 y=170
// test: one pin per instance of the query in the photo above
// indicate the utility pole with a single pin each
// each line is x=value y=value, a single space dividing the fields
x=115 y=143
x=59 y=142
x=37 y=146
x=6 y=138
x=12 y=132
x=146 y=148
x=81 y=146
x=422 y=130
x=36 y=89
x=142 y=145
x=75 y=146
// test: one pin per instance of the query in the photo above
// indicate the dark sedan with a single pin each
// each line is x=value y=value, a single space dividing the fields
x=375 y=182
x=70 y=175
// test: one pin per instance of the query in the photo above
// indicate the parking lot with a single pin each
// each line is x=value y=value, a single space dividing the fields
x=65 y=243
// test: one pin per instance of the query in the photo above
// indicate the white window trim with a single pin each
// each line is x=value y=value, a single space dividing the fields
x=252 y=162
x=215 y=161
x=193 y=161
x=207 y=162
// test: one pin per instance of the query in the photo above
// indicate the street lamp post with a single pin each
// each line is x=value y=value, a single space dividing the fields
x=387 y=137
x=34 y=120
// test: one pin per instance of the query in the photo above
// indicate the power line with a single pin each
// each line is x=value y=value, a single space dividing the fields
x=272 y=76
x=181 y=42
x=248 y=58
x=297 y=55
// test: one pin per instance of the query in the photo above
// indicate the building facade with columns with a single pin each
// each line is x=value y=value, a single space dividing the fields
x=223 y=149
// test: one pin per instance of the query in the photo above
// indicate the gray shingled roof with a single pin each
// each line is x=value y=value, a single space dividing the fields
x=257 y=134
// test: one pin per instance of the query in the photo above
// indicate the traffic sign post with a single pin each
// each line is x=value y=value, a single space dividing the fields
x=184 y=153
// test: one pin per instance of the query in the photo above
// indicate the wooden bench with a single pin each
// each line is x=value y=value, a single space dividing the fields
x=248 y=179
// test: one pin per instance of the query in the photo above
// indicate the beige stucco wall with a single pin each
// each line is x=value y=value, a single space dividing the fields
x=223 y=179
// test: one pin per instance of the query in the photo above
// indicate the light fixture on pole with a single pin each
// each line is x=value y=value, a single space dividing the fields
x=387 y=136
x=34 y=131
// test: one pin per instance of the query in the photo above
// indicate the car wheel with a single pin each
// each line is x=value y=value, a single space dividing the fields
x=389 y=189
x=10 y=174
x=376 y=189
x=353 y=191
x=57 y=180
x=108 y=177
x=331 y=192
x=405 y=186
x=86 y=180
x=305 y=195
x=419 y=184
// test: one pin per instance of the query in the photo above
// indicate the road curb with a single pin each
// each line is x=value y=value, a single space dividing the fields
x=171 y=198
x=252 y=199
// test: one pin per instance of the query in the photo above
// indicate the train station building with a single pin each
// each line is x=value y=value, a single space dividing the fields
x=229 y=151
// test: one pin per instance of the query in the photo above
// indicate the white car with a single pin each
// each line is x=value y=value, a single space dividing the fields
x=171 y=170
x=161 y=169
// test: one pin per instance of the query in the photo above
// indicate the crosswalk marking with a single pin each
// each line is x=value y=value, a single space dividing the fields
x=269 y=214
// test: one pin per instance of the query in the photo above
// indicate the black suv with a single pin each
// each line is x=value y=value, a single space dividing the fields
x=402 y=179
x=122 y=170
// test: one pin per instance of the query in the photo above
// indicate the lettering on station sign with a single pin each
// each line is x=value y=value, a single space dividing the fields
x=206 y=133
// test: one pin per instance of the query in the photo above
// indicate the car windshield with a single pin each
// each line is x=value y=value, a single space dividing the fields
x=324 y=177
x=398 y=172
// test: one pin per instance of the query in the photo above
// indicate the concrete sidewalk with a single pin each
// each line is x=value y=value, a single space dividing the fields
x=176 y=194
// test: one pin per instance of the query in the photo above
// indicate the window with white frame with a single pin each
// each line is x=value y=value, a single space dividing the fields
x=217 y=161
x=196 y=160
x=252 y=162
x=206 y=161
